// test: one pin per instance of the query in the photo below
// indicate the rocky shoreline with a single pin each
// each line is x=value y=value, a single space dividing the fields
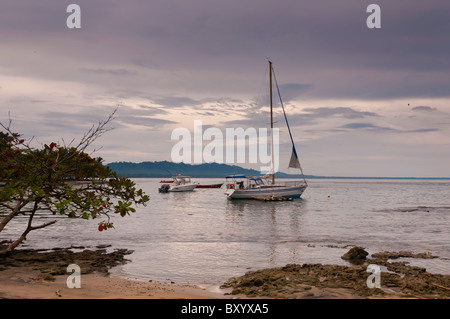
x=398 y=279
x=54 y=262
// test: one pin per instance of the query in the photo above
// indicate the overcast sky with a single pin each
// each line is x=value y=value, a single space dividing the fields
x=361 y=102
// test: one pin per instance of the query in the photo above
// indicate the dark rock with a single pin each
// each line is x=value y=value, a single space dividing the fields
x=55 y=262
x=297 y=281
x=355 y=254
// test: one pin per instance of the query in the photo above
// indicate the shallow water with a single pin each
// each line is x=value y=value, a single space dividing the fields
x=200 y=237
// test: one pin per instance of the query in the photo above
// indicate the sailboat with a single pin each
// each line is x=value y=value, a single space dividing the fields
x=265 y=187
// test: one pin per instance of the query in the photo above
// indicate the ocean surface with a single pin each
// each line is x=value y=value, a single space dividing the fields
x=203 y=238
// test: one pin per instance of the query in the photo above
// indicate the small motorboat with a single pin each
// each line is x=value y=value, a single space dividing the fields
x=180 y=184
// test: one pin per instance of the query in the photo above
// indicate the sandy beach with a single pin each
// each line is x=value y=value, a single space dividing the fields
x=26 y=283
x=29 y=274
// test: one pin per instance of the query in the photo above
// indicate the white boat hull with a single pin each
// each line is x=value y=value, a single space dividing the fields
x=268 y=191
x=182 y=188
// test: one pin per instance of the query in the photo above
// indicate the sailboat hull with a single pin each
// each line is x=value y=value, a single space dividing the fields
x=268 y=191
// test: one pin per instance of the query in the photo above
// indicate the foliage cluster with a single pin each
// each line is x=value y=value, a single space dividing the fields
x=60 y=179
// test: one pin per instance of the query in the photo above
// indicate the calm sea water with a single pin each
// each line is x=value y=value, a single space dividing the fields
x=202 y=238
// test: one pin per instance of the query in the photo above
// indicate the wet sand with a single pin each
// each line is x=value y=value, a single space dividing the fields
x=26 y=283
x=37 y=275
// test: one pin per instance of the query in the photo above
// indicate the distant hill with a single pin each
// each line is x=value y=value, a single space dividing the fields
x=167 y=169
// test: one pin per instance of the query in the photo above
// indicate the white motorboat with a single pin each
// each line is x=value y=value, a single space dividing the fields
x=181 y=184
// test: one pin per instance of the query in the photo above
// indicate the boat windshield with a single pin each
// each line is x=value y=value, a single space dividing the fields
x=181 y=179
x=256 y=181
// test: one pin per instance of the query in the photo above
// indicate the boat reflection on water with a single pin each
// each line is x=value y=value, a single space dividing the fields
x=277 y=228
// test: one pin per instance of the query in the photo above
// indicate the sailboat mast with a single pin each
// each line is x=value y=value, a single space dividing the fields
x=271 y=120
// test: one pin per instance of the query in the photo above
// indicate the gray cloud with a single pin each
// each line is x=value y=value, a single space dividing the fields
x=153 y=110
x=369 y=126
x=81 y=119
x=309 y=116
x=177 y=102
x=291 y=91
x=324 y=44
x=144 y=121
x=425 y=130
x=118 y=72
x=424 y=108
x=376 y=128
x=143 y=116
x=344 y=112
x=162 y=60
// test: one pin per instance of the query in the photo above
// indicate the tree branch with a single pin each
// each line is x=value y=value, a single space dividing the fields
x=17 y=209
x=43 y=225
x=27 y=230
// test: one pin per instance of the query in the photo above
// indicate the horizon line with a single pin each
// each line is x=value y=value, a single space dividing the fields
x=318 y=176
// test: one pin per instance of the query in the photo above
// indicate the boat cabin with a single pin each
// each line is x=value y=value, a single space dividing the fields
x=235 y=181
x=244 y=182
x=255 y=182
x=181 y=180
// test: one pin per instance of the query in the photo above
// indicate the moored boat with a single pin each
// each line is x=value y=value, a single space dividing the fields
x=250 y=187
x=180 y=184
x=260 y=187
